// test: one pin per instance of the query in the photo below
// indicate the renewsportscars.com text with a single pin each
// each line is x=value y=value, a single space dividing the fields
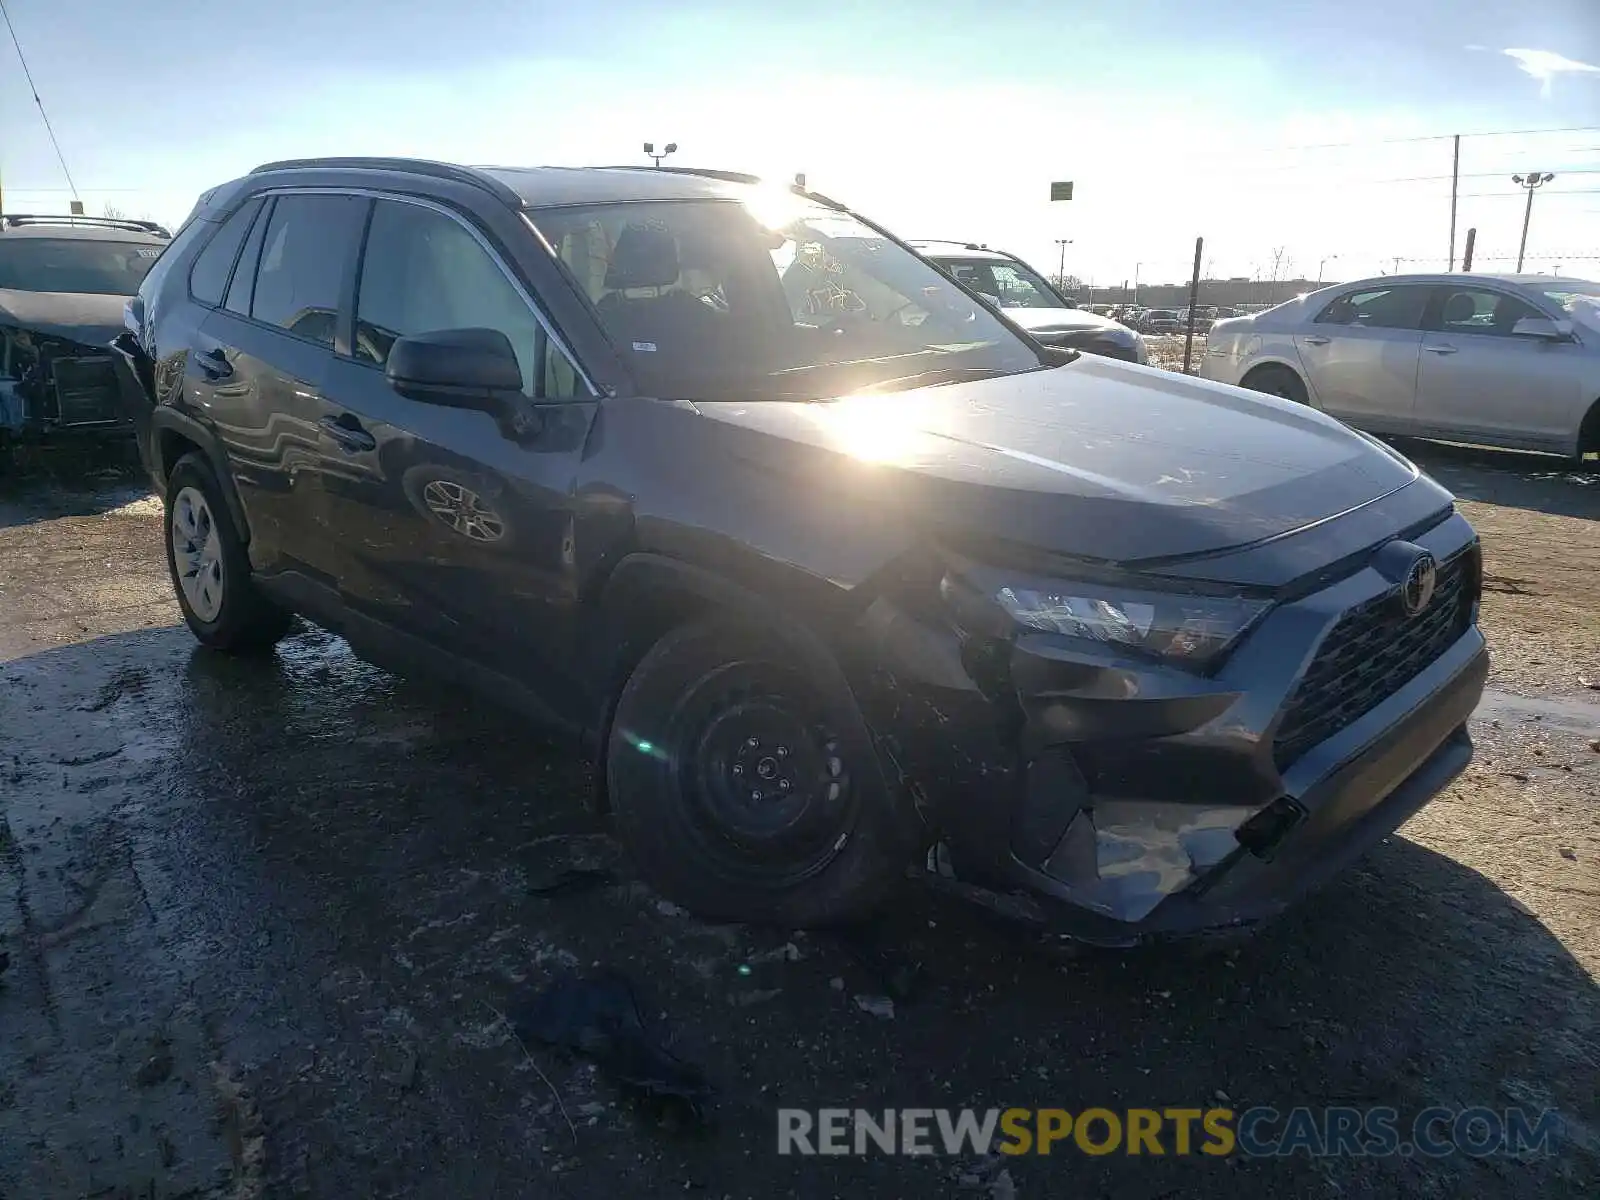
x=1255 y=1132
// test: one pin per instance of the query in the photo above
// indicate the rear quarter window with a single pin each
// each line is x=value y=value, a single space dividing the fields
x=208 y=278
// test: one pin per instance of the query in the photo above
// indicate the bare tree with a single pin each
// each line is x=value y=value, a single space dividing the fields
x=1282 y=264
x=121 y=214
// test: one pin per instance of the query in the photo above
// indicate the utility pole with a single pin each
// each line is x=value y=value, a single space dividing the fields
x=1455 y=184
x=1322 y=264
x=1061 y=269
x=1136 y=267
x=1397 y=264
x=1466 y=253
x=1194 y=301
x=1531 y=183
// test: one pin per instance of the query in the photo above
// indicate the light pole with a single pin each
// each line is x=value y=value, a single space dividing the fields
x=1530 y=183
x=669 y=148
x=1136 y=267
x=1322 y=264
x=1061 y=269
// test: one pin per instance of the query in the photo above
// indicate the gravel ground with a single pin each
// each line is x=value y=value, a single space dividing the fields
x=264 y=918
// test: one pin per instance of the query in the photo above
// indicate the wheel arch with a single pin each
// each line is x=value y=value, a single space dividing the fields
x=1589 y=430
x=647 y=595
x=1274 y=363
x=174 y=434
x=1277 y=362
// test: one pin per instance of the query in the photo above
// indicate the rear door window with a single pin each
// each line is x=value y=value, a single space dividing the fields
x=244 y=274
x=208 y=278
x=1398 y=307
x=307 y=249
x=1482 y=311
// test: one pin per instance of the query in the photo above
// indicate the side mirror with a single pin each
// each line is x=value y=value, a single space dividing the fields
x=463 y=368
x=1543 y=328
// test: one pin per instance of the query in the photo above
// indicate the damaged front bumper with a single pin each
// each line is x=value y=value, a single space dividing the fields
x=51 y=387
x=1120 y=800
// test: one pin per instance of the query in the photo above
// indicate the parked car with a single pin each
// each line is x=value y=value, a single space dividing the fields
x=827 y=566
x=63 y=282
x=1031 y=301
x=1497 y=360
x=1160 y=320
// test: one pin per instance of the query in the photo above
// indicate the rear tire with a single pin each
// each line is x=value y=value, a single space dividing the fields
x=1277 y=381
x=1589 y=434
x=209 y=567
x=745 y=789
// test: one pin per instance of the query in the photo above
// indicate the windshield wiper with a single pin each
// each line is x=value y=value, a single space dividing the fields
x=937 y=377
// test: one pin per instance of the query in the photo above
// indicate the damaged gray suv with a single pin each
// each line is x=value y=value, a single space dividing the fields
x=63 y=282
x=830 y=566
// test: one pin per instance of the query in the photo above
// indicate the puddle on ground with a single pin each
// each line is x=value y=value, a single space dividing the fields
x=1576 y=715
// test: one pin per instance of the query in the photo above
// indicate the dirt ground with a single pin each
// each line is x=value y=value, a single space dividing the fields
x=263 y=920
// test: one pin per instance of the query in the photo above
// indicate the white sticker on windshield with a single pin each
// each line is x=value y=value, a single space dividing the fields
x=148 y=252
x=645 y=347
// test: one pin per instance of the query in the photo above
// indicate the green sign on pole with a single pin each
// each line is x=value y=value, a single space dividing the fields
x=1061 y=191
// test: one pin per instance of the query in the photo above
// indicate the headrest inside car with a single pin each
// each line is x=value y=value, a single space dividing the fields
x=643 y=257
x=1459 y=309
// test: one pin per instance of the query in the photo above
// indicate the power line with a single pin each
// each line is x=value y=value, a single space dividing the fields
x=1478 y=175
x=1518 y=195
x=1443 y=137
x=27 y=74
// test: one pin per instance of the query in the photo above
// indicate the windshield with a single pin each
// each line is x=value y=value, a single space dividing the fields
x=1012 y=284
x=775 y=298
x=74 y=265
x=1580 y=299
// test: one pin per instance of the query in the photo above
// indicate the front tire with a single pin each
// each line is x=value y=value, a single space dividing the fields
x=745 y=788
x=1277 y=381
x=209 y=567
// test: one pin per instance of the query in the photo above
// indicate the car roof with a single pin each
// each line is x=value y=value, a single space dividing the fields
x=547 y=187
x=89 y=229
x=1523 y=280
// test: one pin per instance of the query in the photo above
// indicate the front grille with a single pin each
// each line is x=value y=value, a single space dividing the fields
x=1372 y=653
x=86 y=391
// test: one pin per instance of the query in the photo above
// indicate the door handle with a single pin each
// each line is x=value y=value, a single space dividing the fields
x=214 y=363
x=1440 y=349
x=1315 y=339
x=347 y=431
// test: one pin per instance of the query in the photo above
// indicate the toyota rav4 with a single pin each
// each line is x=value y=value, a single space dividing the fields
x=829 y=565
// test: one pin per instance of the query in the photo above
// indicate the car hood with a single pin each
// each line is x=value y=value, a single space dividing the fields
x=92 y=320
x=1097 y=459
x=1052 y=320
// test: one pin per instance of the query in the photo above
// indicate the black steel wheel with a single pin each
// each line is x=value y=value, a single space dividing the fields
x=745 y=786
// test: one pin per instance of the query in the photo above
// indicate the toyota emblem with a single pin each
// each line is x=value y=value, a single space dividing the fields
x=1417 y=590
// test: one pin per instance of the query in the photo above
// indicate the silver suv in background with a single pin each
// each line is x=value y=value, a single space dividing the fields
x=1497 y=360
x=1031 y=301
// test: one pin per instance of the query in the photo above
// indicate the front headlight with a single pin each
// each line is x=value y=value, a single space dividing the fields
x=1181 y=626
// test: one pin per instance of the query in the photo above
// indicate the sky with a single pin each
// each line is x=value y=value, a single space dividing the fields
x=1313 y=136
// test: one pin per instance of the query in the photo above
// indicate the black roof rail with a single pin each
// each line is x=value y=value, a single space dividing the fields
x=708 y=172
x=127 y=223
x=411 y=166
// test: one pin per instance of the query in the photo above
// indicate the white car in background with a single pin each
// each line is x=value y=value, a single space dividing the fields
x=1495 y=360
x=1031 y=301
